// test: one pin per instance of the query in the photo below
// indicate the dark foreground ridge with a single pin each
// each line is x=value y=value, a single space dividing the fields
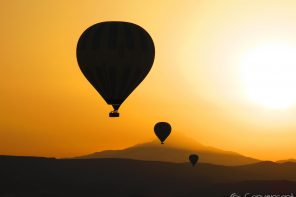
x=30 y=176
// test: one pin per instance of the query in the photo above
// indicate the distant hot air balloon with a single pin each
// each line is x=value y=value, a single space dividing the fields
x=162 y=130
x=115 y=57
x=193 y=158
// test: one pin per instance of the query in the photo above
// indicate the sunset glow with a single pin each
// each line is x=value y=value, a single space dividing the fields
x=224 y=74
x=268 y=73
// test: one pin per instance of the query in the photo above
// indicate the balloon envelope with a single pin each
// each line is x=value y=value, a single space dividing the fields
x=162 y=130
x=193 y=158
x=115 y=57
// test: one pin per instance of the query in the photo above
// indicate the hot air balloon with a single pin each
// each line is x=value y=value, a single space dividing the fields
x=193 y=158
x=162 y=130
x=115 y=57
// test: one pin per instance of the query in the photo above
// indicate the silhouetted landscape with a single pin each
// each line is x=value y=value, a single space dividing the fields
x=286 y=160
x=32 y=176
x=175 y=152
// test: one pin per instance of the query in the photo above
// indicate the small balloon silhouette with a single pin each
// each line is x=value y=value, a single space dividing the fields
x=115 y=57
x=193 y=158
x=162 y=130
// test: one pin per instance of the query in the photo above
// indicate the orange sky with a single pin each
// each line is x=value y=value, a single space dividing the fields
x=48 y=108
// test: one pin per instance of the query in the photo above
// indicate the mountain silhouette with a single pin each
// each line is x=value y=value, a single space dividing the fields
x=176 y=149
x=286 y=160
x=29 y=176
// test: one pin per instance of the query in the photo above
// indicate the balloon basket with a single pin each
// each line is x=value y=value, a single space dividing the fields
x=113 y=114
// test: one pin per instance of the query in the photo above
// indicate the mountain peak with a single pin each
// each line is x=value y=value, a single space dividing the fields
x=175 y=150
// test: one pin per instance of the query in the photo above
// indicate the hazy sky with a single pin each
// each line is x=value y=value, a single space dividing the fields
x=202 y=80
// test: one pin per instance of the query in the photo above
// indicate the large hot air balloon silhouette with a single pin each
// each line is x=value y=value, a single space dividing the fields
x=162 y=130
x=115 y=57
x=193 y=158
